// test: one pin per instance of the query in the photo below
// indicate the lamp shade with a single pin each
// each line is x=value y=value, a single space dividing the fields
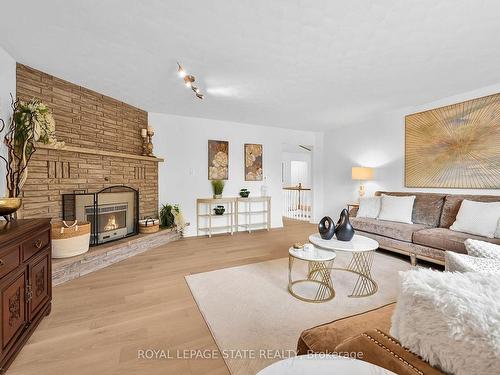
x=362 y=173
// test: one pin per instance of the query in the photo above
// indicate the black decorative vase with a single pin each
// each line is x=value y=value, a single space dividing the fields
x=326 y=228
x=344 y=231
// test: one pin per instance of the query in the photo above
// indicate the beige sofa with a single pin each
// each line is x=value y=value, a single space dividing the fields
x=429 y=237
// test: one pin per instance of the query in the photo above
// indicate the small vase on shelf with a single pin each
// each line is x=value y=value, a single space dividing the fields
x=219 y=210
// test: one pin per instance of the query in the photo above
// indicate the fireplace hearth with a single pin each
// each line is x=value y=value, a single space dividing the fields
x=112 y=212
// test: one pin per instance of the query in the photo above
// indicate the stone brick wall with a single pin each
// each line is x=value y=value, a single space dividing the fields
x=89 y=120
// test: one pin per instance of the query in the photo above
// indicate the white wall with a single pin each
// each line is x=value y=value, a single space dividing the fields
x=7 y=86
x=183 y=142
x=378 y=143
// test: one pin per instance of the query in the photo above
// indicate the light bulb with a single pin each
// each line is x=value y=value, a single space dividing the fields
x=181 y=72
x=188 y=83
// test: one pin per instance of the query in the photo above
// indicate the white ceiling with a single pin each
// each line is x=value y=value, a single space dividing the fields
x=289 y=63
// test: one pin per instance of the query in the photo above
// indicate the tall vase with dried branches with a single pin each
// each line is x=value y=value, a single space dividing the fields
x=31 y=122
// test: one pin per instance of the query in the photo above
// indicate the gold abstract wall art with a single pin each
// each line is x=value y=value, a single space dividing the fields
x=218 y=160
x=457 y=146
x=253 y=162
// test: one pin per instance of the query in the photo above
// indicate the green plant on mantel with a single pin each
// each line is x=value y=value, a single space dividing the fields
x=218 y=187
x=31 y=122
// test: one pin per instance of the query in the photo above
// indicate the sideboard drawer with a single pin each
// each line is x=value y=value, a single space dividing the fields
x=34 y=244
x=9 y=260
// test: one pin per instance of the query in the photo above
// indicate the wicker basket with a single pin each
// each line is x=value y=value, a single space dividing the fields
x=149 y=225
x=70 y=238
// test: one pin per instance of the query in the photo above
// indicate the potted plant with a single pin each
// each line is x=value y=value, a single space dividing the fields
x=218 y=187
x=171 y=216
x=31 y=122
x=244 y=193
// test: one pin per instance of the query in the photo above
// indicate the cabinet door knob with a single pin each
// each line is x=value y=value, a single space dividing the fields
x=38 y=243
x=2 y=263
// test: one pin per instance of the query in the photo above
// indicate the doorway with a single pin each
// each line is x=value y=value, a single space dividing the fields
x=296 y=181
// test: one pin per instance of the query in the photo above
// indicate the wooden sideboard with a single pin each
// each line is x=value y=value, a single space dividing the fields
x=25 y=283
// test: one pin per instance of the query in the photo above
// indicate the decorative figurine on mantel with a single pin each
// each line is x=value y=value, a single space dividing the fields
x=147 y=144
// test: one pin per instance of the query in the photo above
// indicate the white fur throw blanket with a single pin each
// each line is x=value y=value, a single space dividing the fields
x=451 y=320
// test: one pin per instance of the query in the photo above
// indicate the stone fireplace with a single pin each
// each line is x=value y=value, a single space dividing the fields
x=102 y=149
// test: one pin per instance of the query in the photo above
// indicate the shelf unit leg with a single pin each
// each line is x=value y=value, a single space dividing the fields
x=232 y=213
x=237 y=210
x=249 y=215
x=269 y=214
x=197 y=219
x=210 y=220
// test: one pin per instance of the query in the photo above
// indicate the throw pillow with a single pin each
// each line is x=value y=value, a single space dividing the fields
x=482 y=249
x=450 y=319
x=479 y=218
x=398 y=209
x=455 y=262
x=369 y=207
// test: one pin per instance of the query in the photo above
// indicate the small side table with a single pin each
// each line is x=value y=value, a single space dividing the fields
x=352 y=205
x=320 y=264
x=323 y=364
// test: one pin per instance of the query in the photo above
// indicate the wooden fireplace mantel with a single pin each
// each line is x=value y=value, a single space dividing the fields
x=83 y=150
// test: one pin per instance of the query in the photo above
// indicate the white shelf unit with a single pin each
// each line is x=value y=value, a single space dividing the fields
x=245 y=214
x=253 y=213
x=205 y=216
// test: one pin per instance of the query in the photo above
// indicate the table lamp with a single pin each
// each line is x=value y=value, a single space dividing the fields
x=362 y=174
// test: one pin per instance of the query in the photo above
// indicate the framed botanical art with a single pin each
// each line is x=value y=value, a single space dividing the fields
x=218 y=160
x=457 y=146
x=253 y=162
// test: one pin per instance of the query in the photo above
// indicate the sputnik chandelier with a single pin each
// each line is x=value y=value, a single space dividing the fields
x=188 y=81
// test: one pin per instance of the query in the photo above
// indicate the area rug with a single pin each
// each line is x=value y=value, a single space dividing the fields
x=255 y=321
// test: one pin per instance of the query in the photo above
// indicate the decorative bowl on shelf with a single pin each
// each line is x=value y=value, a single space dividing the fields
x=219 y=210
x=244 y=193
x=8 y=206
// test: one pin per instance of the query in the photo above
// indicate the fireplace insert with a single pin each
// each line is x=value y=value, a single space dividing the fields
x=113 y=212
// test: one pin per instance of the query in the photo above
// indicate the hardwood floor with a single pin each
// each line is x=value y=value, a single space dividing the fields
x=99 y=322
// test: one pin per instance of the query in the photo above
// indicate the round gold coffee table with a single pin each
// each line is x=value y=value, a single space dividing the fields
x=320 y=264
x=362 y=251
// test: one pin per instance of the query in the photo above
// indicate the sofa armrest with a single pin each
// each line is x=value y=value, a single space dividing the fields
x=385 y=351
x=324 y=338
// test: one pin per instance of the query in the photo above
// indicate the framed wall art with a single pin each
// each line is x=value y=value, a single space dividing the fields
x=457 y=146
x=253 y=162
x=218 y=160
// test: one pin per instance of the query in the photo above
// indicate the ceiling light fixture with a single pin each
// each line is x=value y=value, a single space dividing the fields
x=188 y=81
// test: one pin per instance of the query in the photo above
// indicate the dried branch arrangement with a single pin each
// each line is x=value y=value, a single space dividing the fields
x=31 y=122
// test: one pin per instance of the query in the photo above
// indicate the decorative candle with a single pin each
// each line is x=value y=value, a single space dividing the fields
x=144 y=133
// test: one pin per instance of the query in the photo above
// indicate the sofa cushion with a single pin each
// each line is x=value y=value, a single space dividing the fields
x=391 y=229
x=426 y=209
x=452 y=204
x=479 y=218
x=446 y=239
x=325 y=338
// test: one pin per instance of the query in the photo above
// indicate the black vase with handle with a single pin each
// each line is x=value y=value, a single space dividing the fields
x=326 y=228
x=344 y=231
